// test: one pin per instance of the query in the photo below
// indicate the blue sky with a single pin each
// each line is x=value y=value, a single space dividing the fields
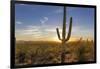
x=39 y=22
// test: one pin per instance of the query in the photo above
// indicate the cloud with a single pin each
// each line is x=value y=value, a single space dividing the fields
x=29 y=30
x=52 y=30
x=38 y=33
x=44 y=20
x=32 y=27
x=35 y=32
x=59 y=11
x=18 y=22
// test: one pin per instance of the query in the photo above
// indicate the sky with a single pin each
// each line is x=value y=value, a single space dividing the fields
x=39 y=22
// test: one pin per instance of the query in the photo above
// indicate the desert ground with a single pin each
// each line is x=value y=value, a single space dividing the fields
x=49 y=52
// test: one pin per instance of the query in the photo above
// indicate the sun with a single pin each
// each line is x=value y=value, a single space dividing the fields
x=56 y=39
x=72 y=39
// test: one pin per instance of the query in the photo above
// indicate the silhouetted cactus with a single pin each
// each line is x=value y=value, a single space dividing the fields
x=64 y=39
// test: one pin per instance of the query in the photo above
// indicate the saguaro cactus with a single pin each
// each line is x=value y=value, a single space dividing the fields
x=64 y=39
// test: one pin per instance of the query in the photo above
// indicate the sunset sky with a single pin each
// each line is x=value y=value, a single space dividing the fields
x=39 y=22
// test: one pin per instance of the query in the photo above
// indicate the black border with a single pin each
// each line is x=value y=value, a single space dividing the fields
x=12 y=32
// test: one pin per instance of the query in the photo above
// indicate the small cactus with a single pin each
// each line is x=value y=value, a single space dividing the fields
x=64 y=39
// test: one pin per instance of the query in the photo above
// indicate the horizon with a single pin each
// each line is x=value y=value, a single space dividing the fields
x=53 y=41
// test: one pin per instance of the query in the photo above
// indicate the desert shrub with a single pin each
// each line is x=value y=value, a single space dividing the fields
x=21 y=57
x=47 y=53
x=80 y=53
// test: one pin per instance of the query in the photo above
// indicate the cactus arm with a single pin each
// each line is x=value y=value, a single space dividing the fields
x=64 y=24
x=58 y=33
x=70 y=29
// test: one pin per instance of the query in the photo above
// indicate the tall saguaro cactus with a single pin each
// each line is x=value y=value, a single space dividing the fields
x=64 y=39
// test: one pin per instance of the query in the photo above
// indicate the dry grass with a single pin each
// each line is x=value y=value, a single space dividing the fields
x=43 y=52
